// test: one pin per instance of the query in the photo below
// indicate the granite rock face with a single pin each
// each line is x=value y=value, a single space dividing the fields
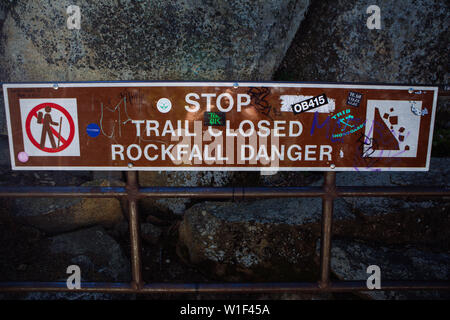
x=94 y=251
x=179 y=179
x=378 y=206
x=146 y=40
x=56 y=215
x=335 y=44
x=150 y=233
x=214 y=179
x=37 y=257
x=4 y=151
x=436 y=176
x=351 y=259
x=254 y=240
x=248 y=239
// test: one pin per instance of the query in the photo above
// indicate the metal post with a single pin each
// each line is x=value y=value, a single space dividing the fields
x=329 y=186
x=132 y=192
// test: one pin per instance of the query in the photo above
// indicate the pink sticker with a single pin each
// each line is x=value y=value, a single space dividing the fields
x=22 y=156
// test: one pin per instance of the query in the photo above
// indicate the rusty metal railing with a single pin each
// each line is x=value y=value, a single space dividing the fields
x=132 y=192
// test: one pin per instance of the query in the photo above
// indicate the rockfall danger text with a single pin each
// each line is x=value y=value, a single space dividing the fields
x=246 y=144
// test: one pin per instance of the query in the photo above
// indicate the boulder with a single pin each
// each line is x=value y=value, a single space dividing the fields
x=289 y=179
x=150 y=233
x=254 y=240
x=94 y=251
x=98 y=255
x=153 y=40
x=350 y=260
x=378 y=206
x=397 y=221
x=56 y=215
x=374 y=206
x=178 y=179
x=27 y=178
x=213 y=179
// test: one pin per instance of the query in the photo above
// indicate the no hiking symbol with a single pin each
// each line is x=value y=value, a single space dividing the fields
x=50 y=127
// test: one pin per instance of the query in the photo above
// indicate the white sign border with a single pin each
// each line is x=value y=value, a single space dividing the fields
x=99 y=84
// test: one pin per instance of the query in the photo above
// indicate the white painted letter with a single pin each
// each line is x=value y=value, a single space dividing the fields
x=147 y=156
x=195 y=103
x=291 y=128
x=74 y=20
x=74 y=280
x=208 y=97
x=219 y=102
x=374 y=21
x=139 y=154
x=374 y=281
x=149 y=127
x=138 y=126
x=114 y=151
x=251 y=152
x=326 y=152
x=309 y=150
x=241 y=103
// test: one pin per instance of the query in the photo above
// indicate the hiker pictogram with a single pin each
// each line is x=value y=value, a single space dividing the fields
x=55 y=130
x=46 y=122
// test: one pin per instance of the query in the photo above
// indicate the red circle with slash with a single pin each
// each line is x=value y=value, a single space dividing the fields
x=33 y=113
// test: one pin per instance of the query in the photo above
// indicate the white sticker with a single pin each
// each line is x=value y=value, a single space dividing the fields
x=398 y=122
x=50 y=127
x=164 y=105
x=288 y=100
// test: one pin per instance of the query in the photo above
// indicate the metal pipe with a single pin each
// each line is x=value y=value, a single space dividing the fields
x=63 y=192
x=267 y=287
x=329 y=187
x=62 y=287
x=135 y=238
x=230 y=192
x=222 y=192
x=410 y=191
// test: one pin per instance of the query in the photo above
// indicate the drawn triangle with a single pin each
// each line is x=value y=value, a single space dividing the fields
x=383 y=136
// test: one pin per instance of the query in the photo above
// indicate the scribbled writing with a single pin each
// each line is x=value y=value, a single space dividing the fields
x=258 y=98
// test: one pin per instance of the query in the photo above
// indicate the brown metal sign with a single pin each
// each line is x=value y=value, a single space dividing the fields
x=219 y=126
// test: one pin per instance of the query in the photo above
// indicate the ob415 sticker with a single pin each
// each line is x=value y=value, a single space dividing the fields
x=310 y=103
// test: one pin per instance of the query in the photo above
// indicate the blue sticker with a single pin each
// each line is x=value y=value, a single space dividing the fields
x=93 y=130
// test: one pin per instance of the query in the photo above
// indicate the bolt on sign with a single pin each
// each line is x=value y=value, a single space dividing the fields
x=219 y=126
